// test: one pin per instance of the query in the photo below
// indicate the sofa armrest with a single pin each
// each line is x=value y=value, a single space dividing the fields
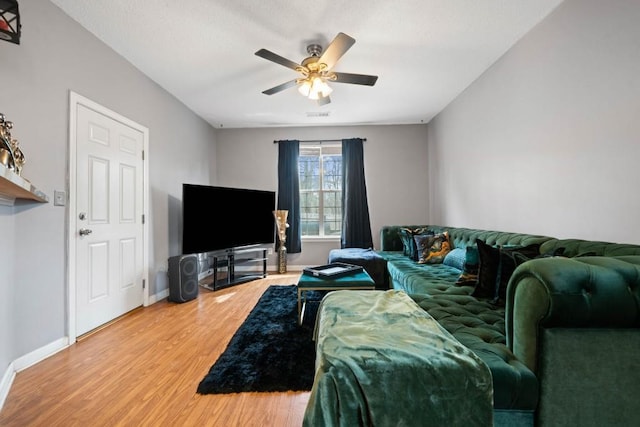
x=588 y=292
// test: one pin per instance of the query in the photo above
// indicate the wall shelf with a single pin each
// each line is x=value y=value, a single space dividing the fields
x=13 y=186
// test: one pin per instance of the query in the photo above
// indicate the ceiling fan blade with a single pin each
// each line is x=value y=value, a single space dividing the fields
x=358 y=79
x=268 y=55
x=324 y=100
x=340 y=44
x=280 y=88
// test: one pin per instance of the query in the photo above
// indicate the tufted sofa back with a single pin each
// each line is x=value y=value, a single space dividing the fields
x=574 y=247
x=461 y=237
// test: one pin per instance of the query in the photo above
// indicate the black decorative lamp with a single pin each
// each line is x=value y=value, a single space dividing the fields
x=9 y=21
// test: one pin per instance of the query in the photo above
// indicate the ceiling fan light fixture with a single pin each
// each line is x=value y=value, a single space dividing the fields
x=314 y=88
x=319 y=86
x=305 y=88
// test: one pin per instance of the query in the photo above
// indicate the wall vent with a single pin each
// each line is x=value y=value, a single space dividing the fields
x=318 y=113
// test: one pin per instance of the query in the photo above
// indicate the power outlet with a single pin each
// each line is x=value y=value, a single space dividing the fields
x=59 y=198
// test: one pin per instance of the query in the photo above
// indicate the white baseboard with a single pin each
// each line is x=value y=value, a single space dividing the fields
x=5 y=384
x=40 y=354
x=27 y=360
x=158 y=296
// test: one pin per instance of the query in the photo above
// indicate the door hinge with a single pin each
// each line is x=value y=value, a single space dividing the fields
x=144 y=283
x=143 y=218
x=142 y=154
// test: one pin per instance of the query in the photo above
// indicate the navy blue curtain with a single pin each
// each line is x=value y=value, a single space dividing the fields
x=356 y=225
x=289 y=192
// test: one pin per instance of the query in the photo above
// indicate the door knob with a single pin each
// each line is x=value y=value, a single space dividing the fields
x=85 y=231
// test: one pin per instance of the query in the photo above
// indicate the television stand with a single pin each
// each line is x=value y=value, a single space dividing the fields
x=228 y=266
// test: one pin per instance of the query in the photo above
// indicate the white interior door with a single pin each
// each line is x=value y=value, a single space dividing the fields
x=108 y=226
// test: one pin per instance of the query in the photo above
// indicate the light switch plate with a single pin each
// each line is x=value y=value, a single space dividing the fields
x=59 y=198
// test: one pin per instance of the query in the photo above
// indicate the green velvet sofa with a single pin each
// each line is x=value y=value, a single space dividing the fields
x=564 y=347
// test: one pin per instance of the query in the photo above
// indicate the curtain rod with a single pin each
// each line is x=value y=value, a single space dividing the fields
x=317 y=140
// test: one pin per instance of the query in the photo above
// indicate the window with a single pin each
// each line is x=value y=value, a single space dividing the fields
x=320 y=169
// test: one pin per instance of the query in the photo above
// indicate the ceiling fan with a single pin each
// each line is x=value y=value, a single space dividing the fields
x=317 y=70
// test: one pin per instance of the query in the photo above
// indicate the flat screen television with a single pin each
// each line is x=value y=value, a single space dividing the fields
x=217 y=218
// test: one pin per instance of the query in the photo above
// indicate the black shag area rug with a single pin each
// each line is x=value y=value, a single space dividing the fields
x=270 y=351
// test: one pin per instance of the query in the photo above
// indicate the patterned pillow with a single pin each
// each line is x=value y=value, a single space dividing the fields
x=408 y=243
x=420 y=241
x=433 y=249
x=469 y=275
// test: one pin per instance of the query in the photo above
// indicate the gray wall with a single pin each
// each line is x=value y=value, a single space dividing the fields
x=548 y=140
x=37 y=76
x=395 y=172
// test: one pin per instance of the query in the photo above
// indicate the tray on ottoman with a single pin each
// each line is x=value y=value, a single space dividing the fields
x=332 y=270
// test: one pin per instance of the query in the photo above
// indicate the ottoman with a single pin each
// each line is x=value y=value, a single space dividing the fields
x=354 y=281
x=381 y=360
x=371 y=261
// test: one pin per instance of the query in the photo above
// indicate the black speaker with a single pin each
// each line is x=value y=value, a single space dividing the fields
x=183 y=278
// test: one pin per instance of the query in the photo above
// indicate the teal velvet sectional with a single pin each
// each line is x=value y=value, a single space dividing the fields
x=564 y=346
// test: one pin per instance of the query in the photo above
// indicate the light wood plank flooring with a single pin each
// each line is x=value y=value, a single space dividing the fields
x=143 y=370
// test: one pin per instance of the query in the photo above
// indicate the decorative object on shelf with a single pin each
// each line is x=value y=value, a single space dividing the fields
x=281 y=223
x=10 y=21
x=10 y=154
x=12 y=185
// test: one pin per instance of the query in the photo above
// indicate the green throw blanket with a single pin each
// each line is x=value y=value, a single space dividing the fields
x=383 y=361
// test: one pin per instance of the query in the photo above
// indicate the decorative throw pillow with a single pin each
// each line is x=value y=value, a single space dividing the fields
x=420 y=242
x=407 y=235
x=455 y=258
x=469 y=275
x=489 y=258
x=433 y=249
x=407 y=238
x=510 y=258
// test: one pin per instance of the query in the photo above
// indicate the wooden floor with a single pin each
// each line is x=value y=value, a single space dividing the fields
x=143 y=370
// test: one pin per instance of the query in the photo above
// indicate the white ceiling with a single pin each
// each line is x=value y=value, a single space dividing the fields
x=424 y=52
